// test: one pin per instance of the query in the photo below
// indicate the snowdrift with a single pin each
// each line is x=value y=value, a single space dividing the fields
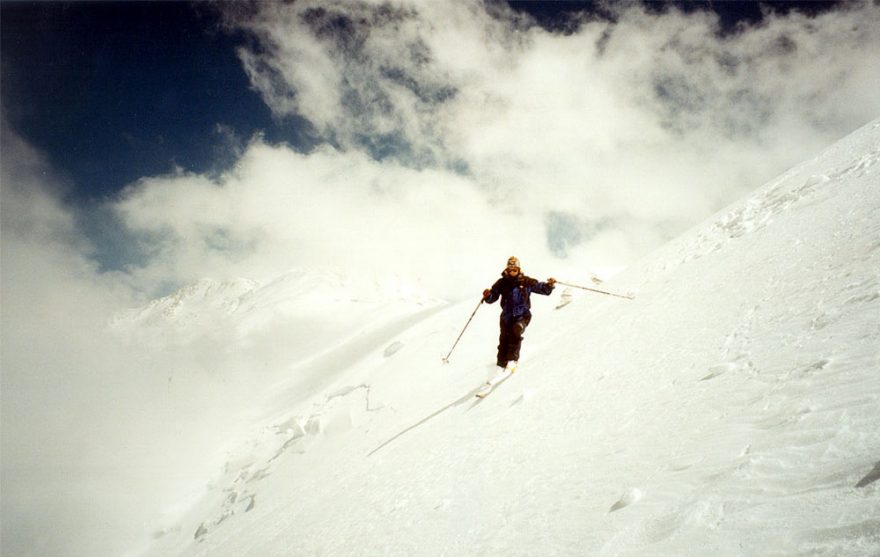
x=730 y=409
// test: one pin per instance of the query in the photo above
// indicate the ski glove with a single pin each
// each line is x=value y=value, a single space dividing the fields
x=551 y=281
x=486 y=293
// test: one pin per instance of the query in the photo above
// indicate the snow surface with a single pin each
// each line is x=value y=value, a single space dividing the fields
x=731 y=408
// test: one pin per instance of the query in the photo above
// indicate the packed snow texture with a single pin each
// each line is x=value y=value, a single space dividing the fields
x=731 y=408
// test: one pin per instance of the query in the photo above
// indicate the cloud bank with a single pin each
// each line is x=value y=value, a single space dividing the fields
x=598 y=144
x=94 y=439
x=456 y=135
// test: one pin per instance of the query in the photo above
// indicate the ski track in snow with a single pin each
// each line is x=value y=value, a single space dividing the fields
x=731 y=408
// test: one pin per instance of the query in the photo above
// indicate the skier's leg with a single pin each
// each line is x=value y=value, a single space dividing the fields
x=516 y=337
x=503 y=344
x=505 y=338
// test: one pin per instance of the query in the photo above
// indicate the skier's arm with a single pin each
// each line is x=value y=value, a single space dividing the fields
x=545 y=288
x=491 y=295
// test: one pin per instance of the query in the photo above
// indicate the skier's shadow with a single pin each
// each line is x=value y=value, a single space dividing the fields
x=470 y=396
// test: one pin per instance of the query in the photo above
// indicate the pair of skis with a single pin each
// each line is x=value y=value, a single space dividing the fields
x=493 y=383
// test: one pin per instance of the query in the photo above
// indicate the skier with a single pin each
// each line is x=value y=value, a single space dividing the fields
x=514 y=289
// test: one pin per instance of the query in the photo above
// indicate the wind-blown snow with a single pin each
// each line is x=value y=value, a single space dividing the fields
x=731 y=408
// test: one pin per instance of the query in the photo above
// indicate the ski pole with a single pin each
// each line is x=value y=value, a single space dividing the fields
x=446 y=359
x=627 y=296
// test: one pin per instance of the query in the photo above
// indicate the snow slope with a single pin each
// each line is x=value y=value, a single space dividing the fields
x=284 y=330
x=730 y=409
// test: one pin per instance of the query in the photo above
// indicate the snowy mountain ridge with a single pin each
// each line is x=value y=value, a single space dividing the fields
x=731 y=408
x=246 y=306
x=757 y=210
x=222 y=297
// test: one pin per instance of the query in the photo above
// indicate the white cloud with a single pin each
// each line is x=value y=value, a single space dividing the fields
x=278 y=209
x=91 y=426
x=633 y=130
x=464 y=137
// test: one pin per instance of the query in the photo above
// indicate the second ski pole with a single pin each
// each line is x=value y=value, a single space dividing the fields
x=627 y=296
x=446 y=359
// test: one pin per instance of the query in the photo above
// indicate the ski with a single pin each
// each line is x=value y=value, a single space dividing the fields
x=487 y=389
x=491 y=385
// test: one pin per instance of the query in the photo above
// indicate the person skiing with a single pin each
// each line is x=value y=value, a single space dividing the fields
x=514 y=289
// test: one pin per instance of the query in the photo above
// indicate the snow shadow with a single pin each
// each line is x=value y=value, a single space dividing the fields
x=872 y=476
x=457 y=402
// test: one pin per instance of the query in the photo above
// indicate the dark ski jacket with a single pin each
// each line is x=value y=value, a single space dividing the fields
x=514 y=293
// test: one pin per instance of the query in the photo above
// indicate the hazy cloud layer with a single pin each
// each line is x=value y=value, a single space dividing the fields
x=91 y=426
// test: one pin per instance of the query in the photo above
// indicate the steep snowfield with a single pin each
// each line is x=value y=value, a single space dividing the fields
x=730 y=409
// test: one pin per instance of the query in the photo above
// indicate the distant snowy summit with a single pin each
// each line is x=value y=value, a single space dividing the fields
x=241 y=306
x=207 y=296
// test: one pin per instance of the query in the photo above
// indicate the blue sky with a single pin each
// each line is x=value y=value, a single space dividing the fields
x=114 y=91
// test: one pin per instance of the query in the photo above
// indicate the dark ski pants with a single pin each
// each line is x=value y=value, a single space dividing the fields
x=511 y=339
